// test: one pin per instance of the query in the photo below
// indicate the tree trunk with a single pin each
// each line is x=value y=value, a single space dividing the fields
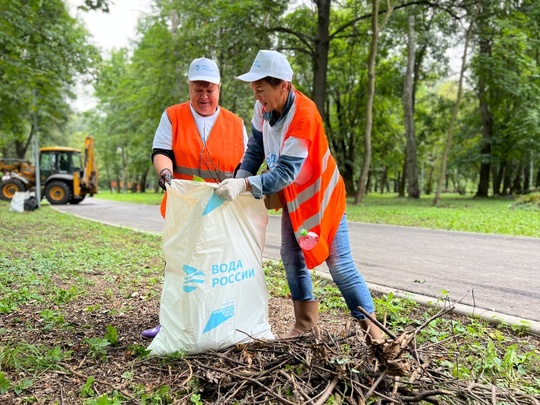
x=455 y=112
x=22 y=149
x=507 y=179
x=118 y=185
x=408 y=104
x=403 y=179
x=123 y=154
x=368 y=187
x=498 y=173
x=517 y=185
x=320 y=58
x=362 y=182
x=348 y=168
x=384 y=176
x=527 y=173
x=428 y=189
x=487 y=126
x=144 y=177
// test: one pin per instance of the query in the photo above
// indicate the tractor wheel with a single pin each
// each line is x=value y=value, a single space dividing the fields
x=57 y=193
x=9 y=187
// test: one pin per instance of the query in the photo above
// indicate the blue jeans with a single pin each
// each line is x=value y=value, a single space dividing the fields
x=340 y=263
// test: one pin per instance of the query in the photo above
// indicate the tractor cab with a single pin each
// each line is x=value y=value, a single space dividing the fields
x=59 y=160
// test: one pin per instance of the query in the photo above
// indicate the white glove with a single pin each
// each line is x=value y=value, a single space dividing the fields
x=230 y=188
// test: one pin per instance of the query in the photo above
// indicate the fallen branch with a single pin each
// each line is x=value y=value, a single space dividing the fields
x=327 y=392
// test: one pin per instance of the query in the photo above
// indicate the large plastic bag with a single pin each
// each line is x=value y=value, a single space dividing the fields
x=214 y=292
x=17 y=202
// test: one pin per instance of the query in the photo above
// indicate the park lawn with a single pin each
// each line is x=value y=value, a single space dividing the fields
x=501 y=216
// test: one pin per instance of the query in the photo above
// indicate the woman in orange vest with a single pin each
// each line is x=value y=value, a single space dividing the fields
x=198 y=137
x=288 y=134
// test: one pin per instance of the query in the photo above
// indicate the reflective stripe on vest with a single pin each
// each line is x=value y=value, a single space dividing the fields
x=302 y=197
x=212 y=175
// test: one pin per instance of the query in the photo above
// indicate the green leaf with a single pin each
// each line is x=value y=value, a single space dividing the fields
x=4 y=383
x=112 y=335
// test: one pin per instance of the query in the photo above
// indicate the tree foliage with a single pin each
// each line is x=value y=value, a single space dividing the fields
x=496 y=137
x=505 y=70
x=42 y=50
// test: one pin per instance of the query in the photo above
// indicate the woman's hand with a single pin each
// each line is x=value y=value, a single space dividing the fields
x=230 y=188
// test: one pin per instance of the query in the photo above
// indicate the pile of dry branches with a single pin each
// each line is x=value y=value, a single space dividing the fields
x=310 y=369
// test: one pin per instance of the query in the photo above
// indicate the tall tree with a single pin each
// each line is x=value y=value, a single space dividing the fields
x=484 y=51
x=455 y=111
x=375 y=29
x=320 y=55
x=408 y=105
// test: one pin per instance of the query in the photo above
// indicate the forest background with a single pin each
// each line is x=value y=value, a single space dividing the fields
x=401 y=117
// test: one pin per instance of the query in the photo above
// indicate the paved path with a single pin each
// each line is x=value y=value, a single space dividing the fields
x=497 y=275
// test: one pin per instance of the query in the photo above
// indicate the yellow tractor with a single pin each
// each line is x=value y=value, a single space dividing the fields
x=67 y=175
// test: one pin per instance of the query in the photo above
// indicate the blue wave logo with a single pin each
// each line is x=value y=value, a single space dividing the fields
x=219 y=316
x=193 y=278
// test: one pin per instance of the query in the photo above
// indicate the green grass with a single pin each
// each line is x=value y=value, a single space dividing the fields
x=501 y=216
x=149 y=198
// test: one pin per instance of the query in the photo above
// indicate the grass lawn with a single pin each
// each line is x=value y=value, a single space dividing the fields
x=502 y=216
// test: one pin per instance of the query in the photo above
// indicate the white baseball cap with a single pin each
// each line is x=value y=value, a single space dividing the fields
x=268 y=63
x=204 y=70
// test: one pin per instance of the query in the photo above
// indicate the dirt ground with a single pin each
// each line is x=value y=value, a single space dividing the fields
x=62 y=384
x=293 y=372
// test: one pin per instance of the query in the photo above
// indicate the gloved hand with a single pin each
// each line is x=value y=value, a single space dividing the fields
x=230 y=188
x=165 y=177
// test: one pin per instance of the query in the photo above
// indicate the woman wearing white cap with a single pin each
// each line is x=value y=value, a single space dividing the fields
x=198 y=137
x=288 y=134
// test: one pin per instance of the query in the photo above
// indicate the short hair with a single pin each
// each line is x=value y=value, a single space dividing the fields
x=201 y=83
x=274 y=81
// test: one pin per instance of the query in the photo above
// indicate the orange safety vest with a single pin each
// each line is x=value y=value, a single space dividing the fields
x=217 y=159
x=318 y=204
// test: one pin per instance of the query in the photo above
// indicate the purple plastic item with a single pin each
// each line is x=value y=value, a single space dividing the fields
x=151 y=333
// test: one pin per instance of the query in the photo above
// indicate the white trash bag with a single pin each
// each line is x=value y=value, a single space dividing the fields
x=214 y=292
x=17 y=202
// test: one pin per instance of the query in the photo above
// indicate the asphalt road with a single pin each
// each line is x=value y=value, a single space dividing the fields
x=493 y=274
